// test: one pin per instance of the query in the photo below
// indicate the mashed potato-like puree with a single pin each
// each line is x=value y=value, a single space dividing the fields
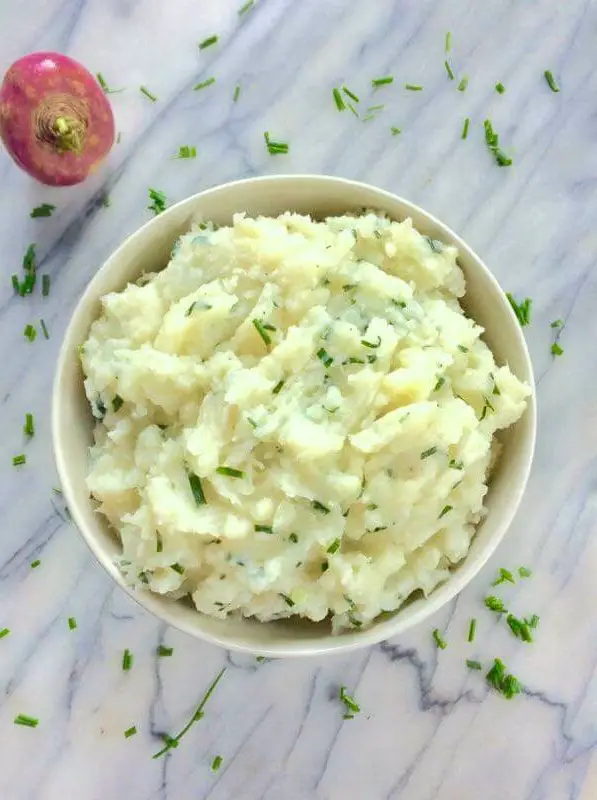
x=295 y=417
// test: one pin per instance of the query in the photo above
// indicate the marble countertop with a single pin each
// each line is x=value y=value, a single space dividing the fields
x=429 y=728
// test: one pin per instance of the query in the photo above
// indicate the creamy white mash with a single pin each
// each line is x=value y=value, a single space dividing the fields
x=295 y=417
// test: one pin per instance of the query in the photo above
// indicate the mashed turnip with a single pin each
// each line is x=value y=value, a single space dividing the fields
x=295 y=417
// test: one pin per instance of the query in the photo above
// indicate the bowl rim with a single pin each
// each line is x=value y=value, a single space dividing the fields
x=328 y=645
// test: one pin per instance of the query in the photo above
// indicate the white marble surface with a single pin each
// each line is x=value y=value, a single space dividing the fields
x=429 y=730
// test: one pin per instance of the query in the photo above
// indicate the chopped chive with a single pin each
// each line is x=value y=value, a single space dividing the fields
x=556 y=350
x=45 y=285
x=426 y=453
x=246 y=7
x=72 y=623
x=453 y=464
x=334 y=547
x=24 y=719
x=449 y=70
x=18 y=461
x=522 y=310
x=505 y=576
x=208 y=42
x=106 y=201
x=320 y=507
x=288 y=600
x=204 y=84
x=395 y=131
x=524 y=572
x=520 y=628
x=4 y=632
x=473 y=664
x=495 y=604
x=130 y=732
x=371 y=345
x=186 y=151
x=385 y=81
x=500 y=88
x=164 y=652
x=492 y=142
x=338 y=100
x=551 y=81
x=15 y=284
x=44 y=329
x=350 y=94
x=35 y=564
x=177 y=568
x=352 y=707
x=144 y=90
x=413 y=87
x=117 y=402
x=236 y=94
x=557 y=323
x=445 y=510
x=472 y=629
x=230 y=472
x=293 y=538
x=533 y=621
x=258 y=325
x=216 y=763
x=463 y=84
x=30 y=333
x=102 y=82
x=440 y=642
x=127 y=660
x=278 y=387
x=263 y=529
x=440 y=382
x=465 y=127
x=275 y=148
x=29 y=426
x=158 y=201
x=324 y=357
x=325 y=566
x=45 y=210
x=507 y=685
x=159 y=544
x=448 y=41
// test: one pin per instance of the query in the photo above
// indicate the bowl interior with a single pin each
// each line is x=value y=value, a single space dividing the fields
x=148 y=250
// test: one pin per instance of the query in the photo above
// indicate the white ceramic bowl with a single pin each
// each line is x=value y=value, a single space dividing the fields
x=148 y=250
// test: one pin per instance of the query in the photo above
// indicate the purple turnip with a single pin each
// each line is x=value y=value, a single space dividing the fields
x=55 y=120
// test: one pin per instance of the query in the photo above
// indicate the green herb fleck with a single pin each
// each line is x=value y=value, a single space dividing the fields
x=413 y=87
x=522 y=310
x=395 y=131
x=557 y=323
x=524 y=572
x=334 y=547
x=259 y=327
x=472 y=629
x=275 y=148
x=28 y=722
x=18 y=461
x=158 y=201
x=505 y=684
x=500 y=88
x=449 y=70
x=440 y=642
x=130 y=732
x=288 y=600
x=246 y=7
x=127 y=660
x=505 y=576
x=35 y=564
x=320 y=507
x=448 y=41
x=338 y=100
x=44 y=329
x=350 y=94
x=473 y=664
x=72 y=623
x=492 y=142
x=236 y=94
x=325 y=358
x=440 y=382
x=230 y=472
x=45 y=285
x=463 y=84
x=551 y=81
x=186 y=151
x=427 y=453
x=350 y=704
x=4 y=632
x=263 y=529
x=445 y=510
x=465 y=127
x=159 y=544
x=197 y=489
x=144 y=90
x=494 y=603
x=45 y=210
x=293 y=538
x=204 y=84
x=519 y=628
x=30 y=333
x=385 y=81
x=216 y=763
x=117 y=403
x=164 y=652
x=556 y=350
x=208 y=42
x=177 y=568
x=29 y=426
x=532 y=622
x=277 y=388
